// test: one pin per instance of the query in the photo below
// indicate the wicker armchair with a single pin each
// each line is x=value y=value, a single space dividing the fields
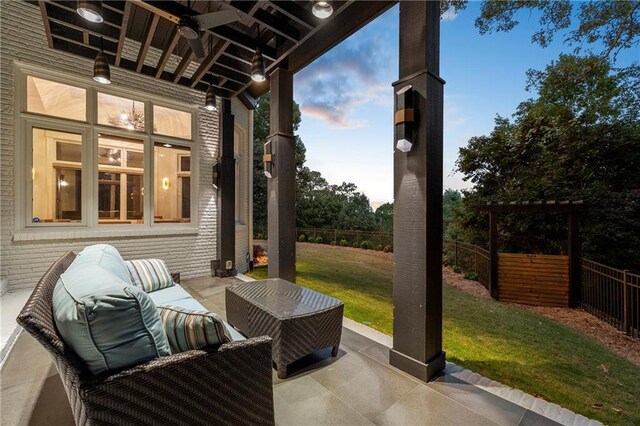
x=231 y=384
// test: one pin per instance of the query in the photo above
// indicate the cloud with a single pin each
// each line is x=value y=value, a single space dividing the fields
x=357 y=72
x=449 y=15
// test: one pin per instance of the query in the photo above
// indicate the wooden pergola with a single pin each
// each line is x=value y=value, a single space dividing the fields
x=290 y=37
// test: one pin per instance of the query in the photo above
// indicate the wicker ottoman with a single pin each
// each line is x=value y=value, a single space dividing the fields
x=300 y=321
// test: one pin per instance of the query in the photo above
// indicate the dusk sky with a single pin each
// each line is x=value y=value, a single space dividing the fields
x=347 y=100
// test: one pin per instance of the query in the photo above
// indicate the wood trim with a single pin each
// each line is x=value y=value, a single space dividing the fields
x=182 y=66
x=144 y=48
x=45 y=21
x=168 y=51
x=123 y=32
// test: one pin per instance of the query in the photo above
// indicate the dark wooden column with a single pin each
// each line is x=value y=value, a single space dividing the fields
x=493 y=254
x=226 y=196
x=417 y=226
x=281 y=191
x=573 y=248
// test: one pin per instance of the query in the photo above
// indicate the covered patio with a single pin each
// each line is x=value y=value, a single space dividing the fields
x=374 y=379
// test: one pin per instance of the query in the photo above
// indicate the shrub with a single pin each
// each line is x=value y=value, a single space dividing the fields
x=333 y=243
x=366 y=244
x=344 y=243
x=457 y=269
x=356 y=245
x=471 y=276
x=388 y=249
x=259 y=237
x=379 y=247
x=319 y=239
x=302 y=238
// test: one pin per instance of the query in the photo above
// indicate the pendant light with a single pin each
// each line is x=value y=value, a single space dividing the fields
x=257 y=65
x=90 y=10
x=101 y=71
x=210 y=99
x=322 y=9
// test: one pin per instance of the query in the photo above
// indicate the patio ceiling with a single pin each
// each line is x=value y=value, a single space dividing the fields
x=138 y=36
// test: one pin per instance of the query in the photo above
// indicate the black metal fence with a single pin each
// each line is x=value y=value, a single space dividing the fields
x=613 y=295
x=469 y=258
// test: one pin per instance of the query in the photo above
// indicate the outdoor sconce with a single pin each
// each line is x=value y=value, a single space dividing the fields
x=403 y=119
x=215 y=175
x=166 y=184
x=267 y=158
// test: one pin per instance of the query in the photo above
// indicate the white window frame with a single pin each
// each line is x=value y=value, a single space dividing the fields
x=88 y=227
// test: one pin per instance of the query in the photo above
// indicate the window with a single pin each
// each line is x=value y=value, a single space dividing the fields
x=93 y=160
x=120 y=112
x=171 y=122
x=172 y=183
x=57 y=176
x=120 y=180
x=56 y=99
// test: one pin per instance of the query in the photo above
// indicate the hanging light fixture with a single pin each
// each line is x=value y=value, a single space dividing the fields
x=257 y=66
x=90 y=10
x=322 y=9
x=101 y=71
x=210 y=99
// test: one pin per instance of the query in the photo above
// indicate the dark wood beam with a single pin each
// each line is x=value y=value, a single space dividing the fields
x=228 y=74
x=76 y=36
x=123 y=31
x=144 y=48
x=45 y=21
x=182 y=66
x=111 y=18
x=208 y=61
x=168 y=51
x=253 y=11
x=244 y=41
x=62 y=16
x=295 y=12
x=239 y=67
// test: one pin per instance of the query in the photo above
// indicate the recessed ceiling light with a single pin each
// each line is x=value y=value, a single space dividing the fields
x=90 y=10
x=322 y=9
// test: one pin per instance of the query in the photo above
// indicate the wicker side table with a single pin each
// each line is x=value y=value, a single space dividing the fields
x=300 y=321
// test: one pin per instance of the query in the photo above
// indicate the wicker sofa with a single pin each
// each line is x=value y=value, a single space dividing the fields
x=230 y=384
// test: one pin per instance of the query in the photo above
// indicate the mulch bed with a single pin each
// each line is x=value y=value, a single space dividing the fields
x=576 y=319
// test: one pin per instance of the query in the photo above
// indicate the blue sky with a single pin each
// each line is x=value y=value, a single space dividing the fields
x=347 y=100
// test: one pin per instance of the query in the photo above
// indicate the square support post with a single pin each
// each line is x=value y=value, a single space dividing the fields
x=226 y=197
x=417 y=225
x=281 y=188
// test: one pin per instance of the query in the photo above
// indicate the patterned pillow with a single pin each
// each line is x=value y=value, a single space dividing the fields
x=188 y=329
x=150 y=274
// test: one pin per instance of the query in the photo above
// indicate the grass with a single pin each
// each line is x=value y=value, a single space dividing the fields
x=518 y=348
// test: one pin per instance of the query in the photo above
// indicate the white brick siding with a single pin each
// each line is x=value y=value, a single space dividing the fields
x=22 y=263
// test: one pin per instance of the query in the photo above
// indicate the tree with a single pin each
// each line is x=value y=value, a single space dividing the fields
x=578 y=142
x=384 y=217
x=451 y=208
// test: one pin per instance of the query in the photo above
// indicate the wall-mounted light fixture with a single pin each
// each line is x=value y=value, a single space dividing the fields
x=404 y=118
x=322 y=9
x=215 y=175
x=63 y=181
x=267 y=158
x=166 y=184
x=90 y=10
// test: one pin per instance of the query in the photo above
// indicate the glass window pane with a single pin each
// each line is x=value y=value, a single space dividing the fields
x=57 y=182
x=185 y=163
x=120 y=112
x=172 y=184
x=171 y=122
x=120 y=180
x=56 y=99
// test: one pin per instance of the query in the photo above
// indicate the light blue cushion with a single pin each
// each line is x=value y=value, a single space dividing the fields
x=169 y=295
x=108 y=322
x=108 y=257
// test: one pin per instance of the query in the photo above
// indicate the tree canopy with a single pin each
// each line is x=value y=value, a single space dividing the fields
x=580 y=141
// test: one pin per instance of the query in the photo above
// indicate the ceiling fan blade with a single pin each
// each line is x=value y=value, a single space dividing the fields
x=215 y=19
x=196 y=47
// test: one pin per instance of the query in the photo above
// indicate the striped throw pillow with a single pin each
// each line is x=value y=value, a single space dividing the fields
x=187 y=329
x=150 y=274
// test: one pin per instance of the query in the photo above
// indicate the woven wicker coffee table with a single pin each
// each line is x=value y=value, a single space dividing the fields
x=300 y=321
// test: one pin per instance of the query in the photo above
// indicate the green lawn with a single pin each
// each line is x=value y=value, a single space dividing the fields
x=515 y=347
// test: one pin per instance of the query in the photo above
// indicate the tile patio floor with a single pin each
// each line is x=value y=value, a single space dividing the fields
x=358 y=387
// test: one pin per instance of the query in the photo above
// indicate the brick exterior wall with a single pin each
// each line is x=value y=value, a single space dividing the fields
x=23 y=262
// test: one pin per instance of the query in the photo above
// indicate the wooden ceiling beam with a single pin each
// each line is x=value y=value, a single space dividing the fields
x=168 y=51
x=210 y=59
x=110 y=18
x=253 y=11
x=123 y=31
x=295 y=12
x=62 y=16
x=182 y=66
x=144 y=48
x=77 y=36
x=45 y=21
